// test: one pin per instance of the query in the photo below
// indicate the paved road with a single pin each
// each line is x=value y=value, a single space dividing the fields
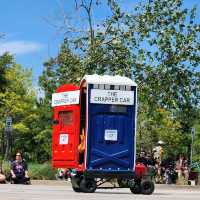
x=54 y=191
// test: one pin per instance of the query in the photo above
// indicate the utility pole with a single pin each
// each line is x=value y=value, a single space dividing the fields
x=193 y=131
x=8 y=134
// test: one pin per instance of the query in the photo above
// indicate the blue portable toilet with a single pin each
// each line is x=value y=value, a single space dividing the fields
x=110 y=125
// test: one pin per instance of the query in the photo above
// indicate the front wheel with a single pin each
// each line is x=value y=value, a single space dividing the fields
x=122 y=182
x=75 y=181
x=88 y=185
x=136 y=189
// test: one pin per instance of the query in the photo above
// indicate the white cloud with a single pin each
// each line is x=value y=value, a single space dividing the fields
x=19 y=47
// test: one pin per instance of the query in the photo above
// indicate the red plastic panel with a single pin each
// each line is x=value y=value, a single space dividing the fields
x=66 y=131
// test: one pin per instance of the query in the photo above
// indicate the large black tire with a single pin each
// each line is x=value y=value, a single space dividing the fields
x=76 y=189
x=88 y=185
x=122 y=183
x=147 y=187
x=75 y=181
x=136 y=189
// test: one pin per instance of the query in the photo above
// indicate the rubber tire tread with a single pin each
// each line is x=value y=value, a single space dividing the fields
x=147 y=187
x=84 y=185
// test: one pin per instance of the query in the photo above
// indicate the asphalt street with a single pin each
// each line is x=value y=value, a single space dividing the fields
x=46 y=191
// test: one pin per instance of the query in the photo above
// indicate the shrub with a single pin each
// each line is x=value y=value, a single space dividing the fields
x=41 y=171
x=6 y=167
x=36 y=171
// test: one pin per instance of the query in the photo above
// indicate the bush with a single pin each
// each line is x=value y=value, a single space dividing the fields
x=36 y=171
x=6 y=167
x=41 y=171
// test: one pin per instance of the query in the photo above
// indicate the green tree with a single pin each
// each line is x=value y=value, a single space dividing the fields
x=102 y=50
x=170 y=52
x=5 y=61
x=157 y=45
x=168 y=71
x=160 y=126
x=19 y=102
x=65 y=68
x=196 y=145
x=42 y=132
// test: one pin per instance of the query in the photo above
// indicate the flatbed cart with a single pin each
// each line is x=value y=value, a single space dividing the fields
x=139 y=183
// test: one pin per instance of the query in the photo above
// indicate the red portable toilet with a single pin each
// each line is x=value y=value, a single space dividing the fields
x=66 y=127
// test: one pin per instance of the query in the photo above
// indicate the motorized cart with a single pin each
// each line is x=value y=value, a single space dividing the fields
x=94 y=136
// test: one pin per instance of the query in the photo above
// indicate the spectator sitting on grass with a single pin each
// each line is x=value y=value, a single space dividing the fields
x=19 y=171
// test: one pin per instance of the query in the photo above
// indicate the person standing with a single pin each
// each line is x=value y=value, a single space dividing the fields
x=182 y=167
x=142 y=158
x=158 y=155
x=158 y=152
x=19 y=170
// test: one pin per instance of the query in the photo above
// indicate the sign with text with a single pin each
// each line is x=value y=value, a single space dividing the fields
x=117 y=97
x=110 y=135
x=65 y=98
x=8 y=127
x=64 y=139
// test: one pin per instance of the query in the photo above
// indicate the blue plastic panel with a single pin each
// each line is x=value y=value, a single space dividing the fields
x=110 y=136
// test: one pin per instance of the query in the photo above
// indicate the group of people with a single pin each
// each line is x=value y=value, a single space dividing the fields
x=167 y=170
x=18 y=171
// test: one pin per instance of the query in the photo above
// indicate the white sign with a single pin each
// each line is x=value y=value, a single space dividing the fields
x=64 y=138
x=65 y=98
x=193 y=131
x=110 y=135
x=8 y=127
x=9 y=121
x=112 y=97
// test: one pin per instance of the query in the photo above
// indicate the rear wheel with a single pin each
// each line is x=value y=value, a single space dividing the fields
x=147 y=187
x=76 y=189
x=88 y=185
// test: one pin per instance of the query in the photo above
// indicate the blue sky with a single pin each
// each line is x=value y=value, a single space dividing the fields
x=29 y=34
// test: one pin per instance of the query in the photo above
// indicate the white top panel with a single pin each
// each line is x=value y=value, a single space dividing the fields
x=116 y=97
x=110 y=80
x=65 y=98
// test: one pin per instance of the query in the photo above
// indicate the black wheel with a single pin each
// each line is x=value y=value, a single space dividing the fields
x=27 y=183
x=122 y=182
x=76 y=189
x=88 y=185
x=75 y=181
x=147 y=187
x=136 y=189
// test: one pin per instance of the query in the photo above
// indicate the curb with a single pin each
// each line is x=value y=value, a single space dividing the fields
x=50 y=182
x=68 y=183
x=173 y=186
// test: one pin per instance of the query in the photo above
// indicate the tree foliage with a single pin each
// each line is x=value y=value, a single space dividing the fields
x=65 y=68
x=5 y=62
x=170 y=57
x=157 y=44
x=19 y=101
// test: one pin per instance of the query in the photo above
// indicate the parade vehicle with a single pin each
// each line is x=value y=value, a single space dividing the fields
x=94 y=134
